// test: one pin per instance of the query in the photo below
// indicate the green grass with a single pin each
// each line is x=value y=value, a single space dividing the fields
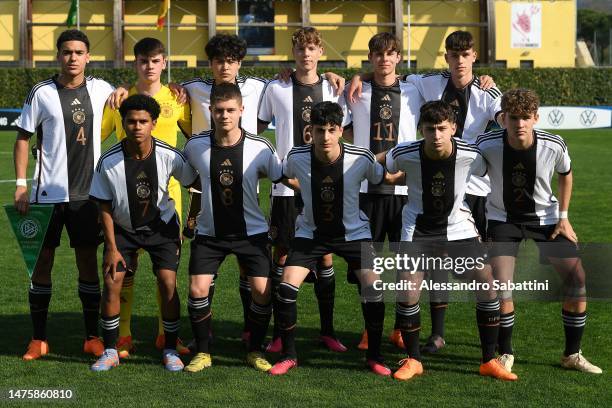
x=323 y=378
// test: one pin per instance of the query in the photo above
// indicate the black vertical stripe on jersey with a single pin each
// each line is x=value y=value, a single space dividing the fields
x=141 y=185
x=438 y=182
x=226 y=190
x=40 y=158
x=385 y=106
x=327 y=184
x=304 y=97
x=519 y=176
x=459 y=100
x=79 y=153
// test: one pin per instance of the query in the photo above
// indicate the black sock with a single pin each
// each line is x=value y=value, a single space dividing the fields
x=110 y=330
x=286 y=305
x=277 y=275
x=504 y=341
x=409 y=319
x=487 y=317
x=437 y=311
x=259 y=319
x=171 y=329
x=325 y=288
x=200 y=316
x=89 y=293
x=374 y=316
x=573 y=326
x=245 y=298
x=39 y=296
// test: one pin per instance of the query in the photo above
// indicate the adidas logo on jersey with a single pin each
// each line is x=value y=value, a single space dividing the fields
x=386 y=98
x=226 y=162
x=519 y=167
x=75 y=102
x=439 y=175
x=141 y=175
x=328 y=180
x=307 y=99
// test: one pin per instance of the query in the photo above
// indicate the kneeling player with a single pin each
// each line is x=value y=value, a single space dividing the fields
x=230 y=162
x=521 y=206
x=437 y=221
x=131 y=185
x=329 y=175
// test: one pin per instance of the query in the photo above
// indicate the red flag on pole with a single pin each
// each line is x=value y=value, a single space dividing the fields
x=163 y=12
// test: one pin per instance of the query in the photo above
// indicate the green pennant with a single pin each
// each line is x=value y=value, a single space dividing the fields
x=30 y=230
x=71 y=20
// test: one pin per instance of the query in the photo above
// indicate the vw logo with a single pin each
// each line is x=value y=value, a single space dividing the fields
x=588 y=118
x=555 y=117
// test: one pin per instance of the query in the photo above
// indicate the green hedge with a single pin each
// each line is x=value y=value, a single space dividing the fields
x=556 y=86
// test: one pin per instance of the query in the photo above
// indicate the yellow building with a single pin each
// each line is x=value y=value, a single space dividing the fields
x=507 y=33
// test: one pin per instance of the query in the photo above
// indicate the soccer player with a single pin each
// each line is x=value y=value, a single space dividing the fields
x=230 y=162
x=330 y=173
x=521 y=206
x=290 y=104
x=131 y=184
x=149 y=62
x=65 y=112
x=384 y=115
x=476 y=102
x=437 y=220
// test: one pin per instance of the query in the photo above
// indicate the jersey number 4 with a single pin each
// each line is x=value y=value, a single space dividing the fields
x=80 y=138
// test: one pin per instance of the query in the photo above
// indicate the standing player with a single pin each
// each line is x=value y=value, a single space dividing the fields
x=521 y=206
x=329 y=174
x=65 y=112
x=290 y=104
x=385 y=114
x=131 y=183
x=437 y=219
x=230 y=162
x=149 y=62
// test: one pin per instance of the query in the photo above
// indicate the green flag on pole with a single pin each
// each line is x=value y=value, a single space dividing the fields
x=71 y=21
x=30 y=230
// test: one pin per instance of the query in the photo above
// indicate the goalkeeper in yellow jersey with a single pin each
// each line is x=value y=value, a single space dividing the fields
x=149 y=62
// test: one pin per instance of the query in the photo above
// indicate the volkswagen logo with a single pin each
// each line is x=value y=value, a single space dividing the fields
x=555 y=117
x=588 y=118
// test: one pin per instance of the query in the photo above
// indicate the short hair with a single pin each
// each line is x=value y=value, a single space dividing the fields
x=226 y=46
x=459 y=41
x=72 y=35
x=306 y=35
x=435 y=112
x=520 y=102
x=148 y=47
x=382 y=42
x=140 y=102
x=225 y=92
x=326 y=113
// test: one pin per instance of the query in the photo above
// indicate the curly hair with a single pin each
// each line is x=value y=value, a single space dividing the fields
x=326 y=113
x=306 y=35
x=226 y=46
x=435 y=112
x=140 y=103
x=520 y=102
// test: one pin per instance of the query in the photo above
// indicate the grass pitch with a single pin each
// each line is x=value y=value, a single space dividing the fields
x=323 y=378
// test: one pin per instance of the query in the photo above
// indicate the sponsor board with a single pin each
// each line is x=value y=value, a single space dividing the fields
x=574 y=117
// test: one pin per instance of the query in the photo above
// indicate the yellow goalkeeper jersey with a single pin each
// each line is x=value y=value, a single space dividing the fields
x=172 y=118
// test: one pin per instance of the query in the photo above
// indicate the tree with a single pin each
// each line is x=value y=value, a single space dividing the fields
x=591 y=22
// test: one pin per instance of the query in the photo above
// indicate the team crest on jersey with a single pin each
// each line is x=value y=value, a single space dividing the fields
x=166 y=110
x=78 y=117
x=327 y=194
x=226 y=178
x=385 y=112
x=438 y=186
x=143 y=190
x=519 y=179
x=306 y=114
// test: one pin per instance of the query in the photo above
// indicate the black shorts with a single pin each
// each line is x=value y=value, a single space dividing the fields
x=478 y=205
x=471 y=251
x=81 y=221
x=385 y=214
x=163 y=245
x=306 y=252
x=282 y=220
x=511 y=235
x=253 y=253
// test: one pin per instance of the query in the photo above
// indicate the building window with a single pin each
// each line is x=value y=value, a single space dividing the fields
x=260 y=40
